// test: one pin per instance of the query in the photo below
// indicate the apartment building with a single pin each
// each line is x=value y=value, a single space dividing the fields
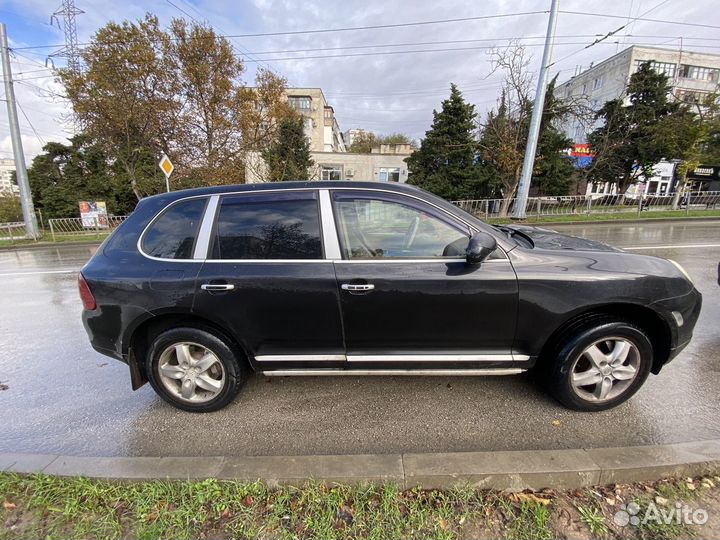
x=692 y=75
x=7 y=186
x=321 y=127
x=328 y=147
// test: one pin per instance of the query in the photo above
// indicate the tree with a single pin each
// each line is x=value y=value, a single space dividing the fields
x=504 y=133
x=146 y=91
x=627 y=145
x=288 y=158
x=364 y=142
x=124 y=99
x=708 y=112
x=397 y=138
x=553 y=171
x=10 y=209
x=63 y=175
x=445 y=163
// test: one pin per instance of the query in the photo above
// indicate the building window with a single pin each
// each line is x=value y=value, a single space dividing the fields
x=330 y=172
x=687 y=96
x=584 y=89
x=664 y=68
x=301 y=103
x=329 y=112
x=699 y=73
x=389 y=174
x=598 y=83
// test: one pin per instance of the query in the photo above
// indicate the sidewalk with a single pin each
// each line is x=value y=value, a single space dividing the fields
x=515 y=471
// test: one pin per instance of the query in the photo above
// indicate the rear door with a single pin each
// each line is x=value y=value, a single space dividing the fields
x=408 y=298
x=267 y=279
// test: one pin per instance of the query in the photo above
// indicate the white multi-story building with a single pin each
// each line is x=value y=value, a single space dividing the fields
x=328 y=147
x=7 y=186
x=321 y=127
x=692 y=75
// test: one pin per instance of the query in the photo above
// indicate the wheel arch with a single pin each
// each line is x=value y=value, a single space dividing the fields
x=649 y=320
x=140 y=338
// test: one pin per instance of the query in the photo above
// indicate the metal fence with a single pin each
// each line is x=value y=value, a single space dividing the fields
x=83 y=227
x=10 y=232
x=593 y=204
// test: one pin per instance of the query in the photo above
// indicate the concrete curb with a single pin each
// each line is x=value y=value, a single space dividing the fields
x=515 y=470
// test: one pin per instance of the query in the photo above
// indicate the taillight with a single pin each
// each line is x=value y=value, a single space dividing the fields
x=86 y=294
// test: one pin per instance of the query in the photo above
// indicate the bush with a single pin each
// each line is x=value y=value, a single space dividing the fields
x=10 y=209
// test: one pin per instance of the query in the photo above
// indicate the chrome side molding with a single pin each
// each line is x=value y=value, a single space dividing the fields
x=390 y=372
x=393 y=358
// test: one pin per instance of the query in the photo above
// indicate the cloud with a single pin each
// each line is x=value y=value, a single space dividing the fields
x=389 y=93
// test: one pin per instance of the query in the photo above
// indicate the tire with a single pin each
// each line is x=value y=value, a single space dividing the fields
x=195 y=370
x=613 y=357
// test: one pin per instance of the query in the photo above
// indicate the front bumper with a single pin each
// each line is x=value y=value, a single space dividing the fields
x=688 y=306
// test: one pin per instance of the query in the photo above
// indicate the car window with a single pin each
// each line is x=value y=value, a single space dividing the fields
x=371 y=228
x=278 y=226
x=173 y=234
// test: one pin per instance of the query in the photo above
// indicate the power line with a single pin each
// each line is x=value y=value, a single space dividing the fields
x=42 y=141
x=641 y=18
x=450 y=49
x=350 y=28
x=630 y=21
x=242 y=50
x=457 y=41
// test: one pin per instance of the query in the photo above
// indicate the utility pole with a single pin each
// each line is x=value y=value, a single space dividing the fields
x=531 y=147
x=31 y=228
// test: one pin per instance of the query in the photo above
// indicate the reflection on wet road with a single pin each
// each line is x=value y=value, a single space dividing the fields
x=62 y=397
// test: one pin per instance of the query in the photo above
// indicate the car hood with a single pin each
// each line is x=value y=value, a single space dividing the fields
x=549 y=239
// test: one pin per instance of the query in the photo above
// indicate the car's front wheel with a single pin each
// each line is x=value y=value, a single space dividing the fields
x=193 y=369
x=600 y=366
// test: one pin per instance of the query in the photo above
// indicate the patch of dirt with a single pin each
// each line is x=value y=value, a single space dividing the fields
x=565 y=521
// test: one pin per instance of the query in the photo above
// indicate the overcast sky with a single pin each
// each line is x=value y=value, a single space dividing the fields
x=382 y=92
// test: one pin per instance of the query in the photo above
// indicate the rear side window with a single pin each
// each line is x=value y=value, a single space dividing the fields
x=173 y=234
x=273 y=226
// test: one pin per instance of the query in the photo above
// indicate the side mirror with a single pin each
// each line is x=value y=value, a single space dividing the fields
x=480 y=246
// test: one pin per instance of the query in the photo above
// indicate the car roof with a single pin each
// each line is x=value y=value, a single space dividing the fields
x=266 y=186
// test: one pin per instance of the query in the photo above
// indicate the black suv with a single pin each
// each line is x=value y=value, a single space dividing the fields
x=199 y=287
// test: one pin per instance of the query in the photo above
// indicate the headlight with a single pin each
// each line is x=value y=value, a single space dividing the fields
x=684 y=272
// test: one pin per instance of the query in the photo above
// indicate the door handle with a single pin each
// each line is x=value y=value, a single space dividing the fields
x=352 y=287
x=217 y=287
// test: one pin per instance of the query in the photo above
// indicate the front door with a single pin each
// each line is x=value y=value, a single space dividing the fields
x=267 y=280
x=406 y=293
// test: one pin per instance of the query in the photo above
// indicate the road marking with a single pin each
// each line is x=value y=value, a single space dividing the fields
x=38 y=273
x=676 y=246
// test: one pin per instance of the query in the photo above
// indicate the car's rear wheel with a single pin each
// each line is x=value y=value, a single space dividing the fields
x=194 y=370
x=599 y=366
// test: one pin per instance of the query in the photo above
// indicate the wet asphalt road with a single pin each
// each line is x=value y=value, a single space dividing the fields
x=62 y=397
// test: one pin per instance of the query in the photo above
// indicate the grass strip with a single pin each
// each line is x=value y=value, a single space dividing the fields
x=42 y=506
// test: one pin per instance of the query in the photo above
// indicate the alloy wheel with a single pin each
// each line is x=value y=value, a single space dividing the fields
x=191 y=372
x=605 y=369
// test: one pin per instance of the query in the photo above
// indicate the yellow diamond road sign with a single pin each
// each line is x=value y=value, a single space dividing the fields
x=166 y=166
